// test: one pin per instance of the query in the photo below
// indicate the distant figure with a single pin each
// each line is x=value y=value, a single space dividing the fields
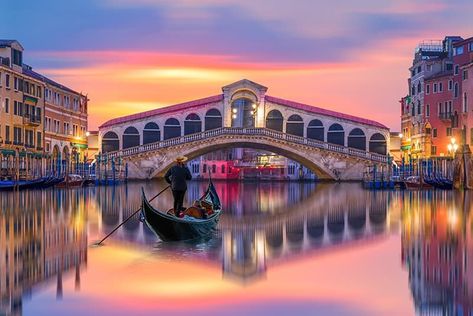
x=177 y=177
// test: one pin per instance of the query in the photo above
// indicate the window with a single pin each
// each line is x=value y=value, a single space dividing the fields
x=435 y=88
x=456 y=91
x=214 y=168
x=419 y=69
x=465 y=74
x=204 y=168
x=440 y=87
x=465 y=103
x=418 y=108
x=427 y=110
x=15 y=83
x=434 y=132
x=17 y=57
x=419 y=88
x=7 y=105
x=470 y=47
x=7 y=81
x=291 y=169
x=413 y=110
x=434 y=150
x=7 y=134
x=413 y=90
x=450 y=107
x=459 y=50
x=457 y=69
x=427 y=89
x=223 y=168
x=450 y=85
x=0 y=79
x=449 y=131
x=17 y=136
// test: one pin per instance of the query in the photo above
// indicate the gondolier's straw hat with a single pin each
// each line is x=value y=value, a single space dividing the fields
x=181 y=159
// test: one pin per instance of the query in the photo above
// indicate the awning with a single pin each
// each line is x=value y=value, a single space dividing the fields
x=7 y=152
x=30 y=100
x=406 y=147
x=81 y=146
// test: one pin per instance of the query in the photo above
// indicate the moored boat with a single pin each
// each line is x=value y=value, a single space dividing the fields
x=71 y=181
x=416 y=182
x=171 y=228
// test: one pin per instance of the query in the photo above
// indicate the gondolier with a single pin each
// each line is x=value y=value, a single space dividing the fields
x=177 y=176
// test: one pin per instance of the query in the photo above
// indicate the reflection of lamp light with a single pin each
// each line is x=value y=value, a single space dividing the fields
x=452 y=218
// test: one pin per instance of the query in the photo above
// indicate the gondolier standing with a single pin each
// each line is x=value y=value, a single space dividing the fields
x=177 y=177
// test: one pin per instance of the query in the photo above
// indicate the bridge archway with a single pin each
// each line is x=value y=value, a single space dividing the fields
x=274 y=120
x=295 y=125
x=131 y=137
x=336 y=134
x=357 y=139
x=243 y=113
x=192 y=124
x=315 y=130
x=378 y=144
x=151 y=133
x=213 y=119
x=318 y=167
x=110 y=142
x=172 y=128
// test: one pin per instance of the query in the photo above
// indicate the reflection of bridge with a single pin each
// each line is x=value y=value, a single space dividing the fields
x=333 y=145
x=330 y=217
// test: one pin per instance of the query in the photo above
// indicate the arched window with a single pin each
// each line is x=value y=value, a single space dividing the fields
x=151 y=133
x=357 y=139
x=274 y=120
x=213 y=119
x=243 y=113
x=192 y=124
x=336 y=134
x=295 y=125
x=172 y=128
x=110 y=142
x=131 y=137
x=315 y=130
x=223 y=168
x=419 y=88
x=456 y=90
x=378 y=144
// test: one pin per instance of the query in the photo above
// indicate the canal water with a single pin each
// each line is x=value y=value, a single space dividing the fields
x=281 y=249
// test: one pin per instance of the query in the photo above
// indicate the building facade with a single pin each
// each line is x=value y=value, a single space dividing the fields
x=39 y=117
x=435 y=115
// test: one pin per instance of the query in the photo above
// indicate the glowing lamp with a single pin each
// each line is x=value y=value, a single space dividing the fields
x=234 y=110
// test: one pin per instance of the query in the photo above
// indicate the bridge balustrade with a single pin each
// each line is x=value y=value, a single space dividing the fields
x=251 y=132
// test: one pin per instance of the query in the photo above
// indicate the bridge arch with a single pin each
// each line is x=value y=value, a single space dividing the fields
x=295 y=125
x=286 y=149
x=357 y=139
x=131 y=137
x=378 y=144
x=213 y=119
x=336 y=134
x=316 y=130
x=151 y=133
x=243 y=112
x=275 y=120
x=110 y=142
x=172 y=128
x=192 y=124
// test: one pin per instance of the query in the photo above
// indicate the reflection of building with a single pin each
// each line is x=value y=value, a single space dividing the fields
x=41 y=237
x=435 y=247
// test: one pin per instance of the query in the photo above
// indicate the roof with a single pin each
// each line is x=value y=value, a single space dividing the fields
x=317 y=110
x=8 y=43
x=218 y=98
x=459 y=43
x=33 y=74
x=439 y=75
x=171 y=108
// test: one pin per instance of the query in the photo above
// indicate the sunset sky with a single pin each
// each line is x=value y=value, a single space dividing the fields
x=136 y=55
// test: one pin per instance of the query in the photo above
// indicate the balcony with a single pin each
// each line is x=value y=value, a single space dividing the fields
x=32 y=120
x=445 y=116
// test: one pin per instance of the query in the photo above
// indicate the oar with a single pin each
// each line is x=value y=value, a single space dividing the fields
x=129 y=217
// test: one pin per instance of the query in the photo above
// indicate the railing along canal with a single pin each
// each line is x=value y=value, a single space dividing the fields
x=235 y=131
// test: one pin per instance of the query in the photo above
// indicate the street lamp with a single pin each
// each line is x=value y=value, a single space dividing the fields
x=452 y=147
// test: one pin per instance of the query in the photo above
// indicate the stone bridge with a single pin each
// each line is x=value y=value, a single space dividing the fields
x=333 y=145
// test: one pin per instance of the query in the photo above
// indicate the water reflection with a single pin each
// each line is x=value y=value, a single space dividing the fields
x=437 y=251
x=44 y=236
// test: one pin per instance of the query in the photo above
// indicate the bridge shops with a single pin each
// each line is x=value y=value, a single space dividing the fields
x=330 y=144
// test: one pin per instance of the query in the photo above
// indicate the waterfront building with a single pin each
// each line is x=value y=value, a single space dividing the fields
x=435 y=116
x=22 y=108
x=39 y=116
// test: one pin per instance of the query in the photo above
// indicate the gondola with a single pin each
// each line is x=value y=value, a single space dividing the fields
x=21 y=185
x=171 y=228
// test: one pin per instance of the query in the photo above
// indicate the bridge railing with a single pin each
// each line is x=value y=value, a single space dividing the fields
x=250 y=132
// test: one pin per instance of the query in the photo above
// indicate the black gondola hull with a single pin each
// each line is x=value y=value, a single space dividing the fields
x=171 y=228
